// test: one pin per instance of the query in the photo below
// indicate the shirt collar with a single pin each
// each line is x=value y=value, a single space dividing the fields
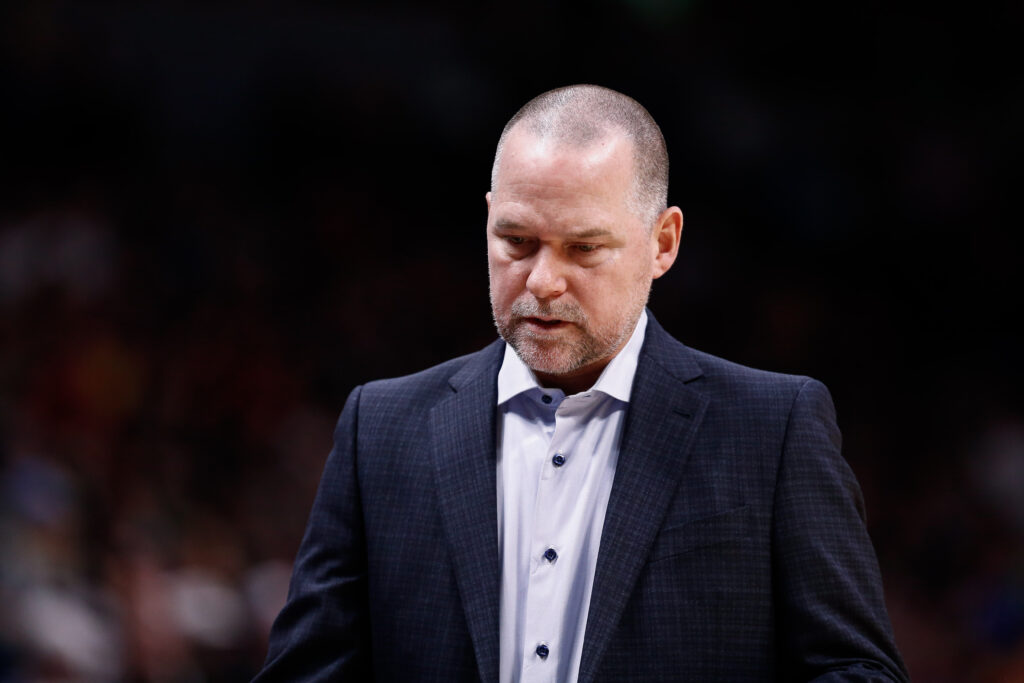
x=616 y=379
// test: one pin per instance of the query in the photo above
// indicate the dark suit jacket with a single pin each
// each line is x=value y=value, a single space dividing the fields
x=734 y=546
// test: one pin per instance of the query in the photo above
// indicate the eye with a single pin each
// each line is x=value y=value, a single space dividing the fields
x=587 y=248
x=517 y=246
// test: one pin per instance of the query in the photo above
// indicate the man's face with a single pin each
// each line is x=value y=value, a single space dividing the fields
x=570 y=263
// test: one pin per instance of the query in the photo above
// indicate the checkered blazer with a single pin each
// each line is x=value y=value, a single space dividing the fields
x=734 y=546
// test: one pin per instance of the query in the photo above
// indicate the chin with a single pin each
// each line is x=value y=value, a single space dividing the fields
x=549 y=361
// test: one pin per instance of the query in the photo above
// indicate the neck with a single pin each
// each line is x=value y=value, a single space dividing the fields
x=575 y=382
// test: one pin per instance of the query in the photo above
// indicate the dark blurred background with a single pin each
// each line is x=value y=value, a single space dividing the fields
x=217 y=218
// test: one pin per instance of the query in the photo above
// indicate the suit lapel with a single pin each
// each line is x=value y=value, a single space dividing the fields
x=663 y=416
x=463 y=444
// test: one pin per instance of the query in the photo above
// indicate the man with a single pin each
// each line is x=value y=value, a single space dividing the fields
x=587 y=499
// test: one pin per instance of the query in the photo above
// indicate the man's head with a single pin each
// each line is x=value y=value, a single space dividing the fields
x=579 y=115
x=577 y=229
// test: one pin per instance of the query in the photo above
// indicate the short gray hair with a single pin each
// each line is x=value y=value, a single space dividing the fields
x=582 y=114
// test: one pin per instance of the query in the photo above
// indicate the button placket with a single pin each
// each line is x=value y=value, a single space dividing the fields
x=567 y=508
x=558 y=449
x=554 y=492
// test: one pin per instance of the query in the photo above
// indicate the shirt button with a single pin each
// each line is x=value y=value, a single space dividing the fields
x=546 y=398
x=543 y=651
x=558 y=460
x=550 y=555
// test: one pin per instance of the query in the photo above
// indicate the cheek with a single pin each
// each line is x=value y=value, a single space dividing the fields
x=607 y=294
x=506 y=282
x=596 y=301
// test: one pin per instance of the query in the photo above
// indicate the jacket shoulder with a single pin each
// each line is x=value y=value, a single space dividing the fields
x=426 y=386
x=709 y=373
x=721 y=371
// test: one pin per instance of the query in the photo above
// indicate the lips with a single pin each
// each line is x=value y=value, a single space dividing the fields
x=546 y=322
x=545 y=325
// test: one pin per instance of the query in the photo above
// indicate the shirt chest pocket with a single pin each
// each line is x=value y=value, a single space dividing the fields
x=723 y=527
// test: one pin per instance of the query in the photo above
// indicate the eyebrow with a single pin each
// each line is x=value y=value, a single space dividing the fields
x=506 y=224
x=592 y=232
x=589 y=233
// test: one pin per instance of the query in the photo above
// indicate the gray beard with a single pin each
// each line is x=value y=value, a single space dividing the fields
x=563 y=357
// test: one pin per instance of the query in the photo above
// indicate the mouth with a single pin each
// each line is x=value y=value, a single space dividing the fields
x=545 y=323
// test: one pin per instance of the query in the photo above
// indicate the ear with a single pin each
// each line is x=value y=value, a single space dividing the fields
x=487 y=198
x=665 y=236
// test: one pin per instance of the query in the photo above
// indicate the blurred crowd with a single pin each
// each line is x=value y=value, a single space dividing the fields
x=154 y=477
x=216 y=222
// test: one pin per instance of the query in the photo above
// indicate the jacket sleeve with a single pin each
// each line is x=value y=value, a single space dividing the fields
x=832 y=622
x=322 y=633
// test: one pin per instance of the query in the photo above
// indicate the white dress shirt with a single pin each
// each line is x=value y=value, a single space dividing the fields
x=556 y=463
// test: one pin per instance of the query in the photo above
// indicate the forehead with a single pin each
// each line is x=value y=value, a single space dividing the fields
x=546 y=166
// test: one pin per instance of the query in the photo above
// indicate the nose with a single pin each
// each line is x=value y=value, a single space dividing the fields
x=546 y=279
